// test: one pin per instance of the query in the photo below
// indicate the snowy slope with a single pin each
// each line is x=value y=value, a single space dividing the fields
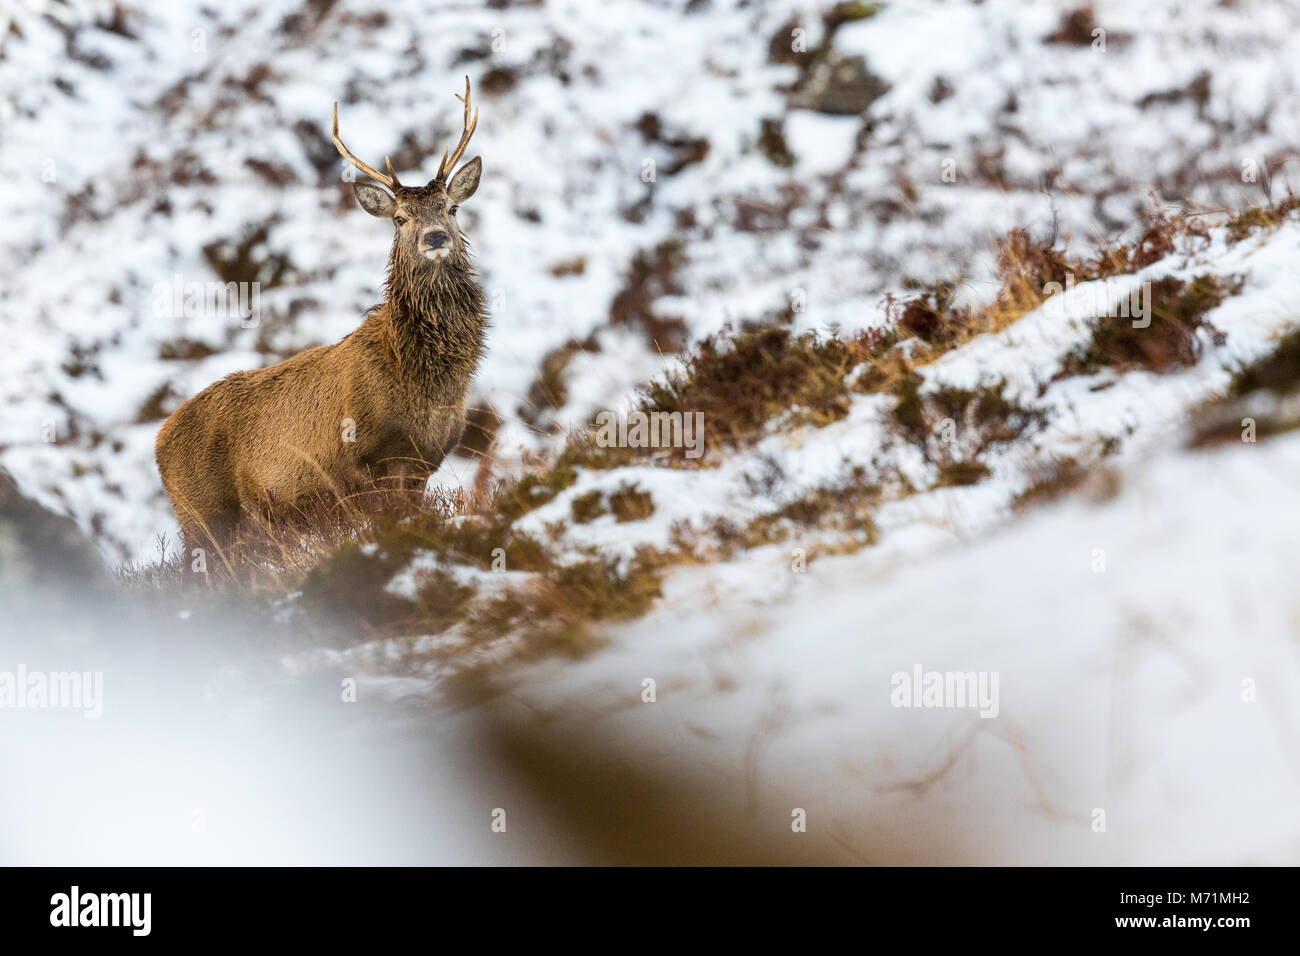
x=1122 y=689
x=1141 y=630
x=135 y=136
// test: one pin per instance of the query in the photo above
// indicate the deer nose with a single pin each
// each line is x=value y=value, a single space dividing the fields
x=435 y=239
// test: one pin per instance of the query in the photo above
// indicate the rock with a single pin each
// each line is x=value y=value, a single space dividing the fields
x=838 y=85
x=41 y=552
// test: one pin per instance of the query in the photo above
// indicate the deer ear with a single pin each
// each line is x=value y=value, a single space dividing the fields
x=465 y=182
x=374 y=200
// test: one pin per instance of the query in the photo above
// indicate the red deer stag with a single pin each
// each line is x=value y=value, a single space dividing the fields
x=383 y=406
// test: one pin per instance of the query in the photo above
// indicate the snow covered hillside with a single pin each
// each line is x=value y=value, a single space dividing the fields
x=1140 y=632
x=987 y=316
x=802 y=160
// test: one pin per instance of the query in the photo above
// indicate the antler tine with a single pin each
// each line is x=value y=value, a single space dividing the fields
x=447 y=165
x=390 y=181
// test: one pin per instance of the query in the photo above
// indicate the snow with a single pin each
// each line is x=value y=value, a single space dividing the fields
x=564 y=162
x=1142 y=638
x=1121 y=689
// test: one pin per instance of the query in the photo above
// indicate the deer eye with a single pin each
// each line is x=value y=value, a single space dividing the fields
x=401 y=221
x=453 y=209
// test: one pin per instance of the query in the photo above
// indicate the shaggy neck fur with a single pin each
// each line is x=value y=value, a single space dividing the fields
x=436 y=316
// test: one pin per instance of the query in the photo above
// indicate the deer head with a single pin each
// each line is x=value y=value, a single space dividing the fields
x=424 y=216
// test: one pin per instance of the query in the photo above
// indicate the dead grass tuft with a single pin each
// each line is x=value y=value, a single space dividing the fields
x=627 y=503
x=1176 y=312
x=1263 y=399
x=1076 y=27
x=587 y=508
x=954 y=427
x=844 y=506
x=743 y=382
x=1066 y=476
x=549 y=391
x=831 y=519
x=652 y=274
x=1279 y=371
x=1261 y=217
x=630 y=503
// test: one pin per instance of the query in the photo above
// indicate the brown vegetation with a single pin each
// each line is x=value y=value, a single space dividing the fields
x=1176 y=312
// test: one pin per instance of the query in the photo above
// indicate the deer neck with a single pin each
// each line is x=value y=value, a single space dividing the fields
x=436 y=321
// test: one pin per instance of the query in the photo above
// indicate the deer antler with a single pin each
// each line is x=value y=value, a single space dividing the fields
x=390 y=180
x=446 y=166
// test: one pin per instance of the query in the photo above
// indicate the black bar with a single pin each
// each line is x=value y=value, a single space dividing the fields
x=243 y=905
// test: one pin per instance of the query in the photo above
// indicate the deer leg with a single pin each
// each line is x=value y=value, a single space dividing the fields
x=402 y=477
x=209 y=543
x=407 y=480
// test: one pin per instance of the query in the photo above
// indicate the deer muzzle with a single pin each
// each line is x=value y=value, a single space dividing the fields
x=434 y=244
